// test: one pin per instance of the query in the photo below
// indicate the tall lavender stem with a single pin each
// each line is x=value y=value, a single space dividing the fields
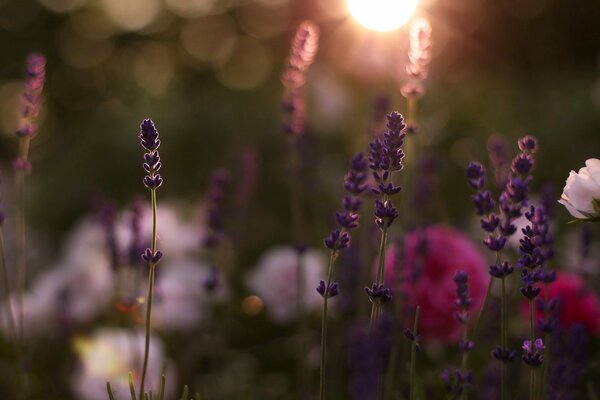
x=150 y=142
x=385 y=158
x=413 y=354
x=327 y=294
x=339 y=239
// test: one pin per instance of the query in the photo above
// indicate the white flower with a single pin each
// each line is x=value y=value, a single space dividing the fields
x=181 y=300
x=274 y=281
x=581 y=194
x=109 y=355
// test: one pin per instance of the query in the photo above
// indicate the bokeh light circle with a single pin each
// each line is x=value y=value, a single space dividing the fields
x=382 y=15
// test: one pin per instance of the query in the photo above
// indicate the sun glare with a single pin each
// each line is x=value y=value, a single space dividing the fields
x=382 y=15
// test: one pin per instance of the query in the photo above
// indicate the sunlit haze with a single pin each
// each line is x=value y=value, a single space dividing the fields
x=382 y=15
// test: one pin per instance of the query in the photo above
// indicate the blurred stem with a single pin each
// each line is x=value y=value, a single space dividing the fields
x=483 y=308
x=297 y=228
x=413 y=355
x=547 y=344
x=21 y=254
x=411 y=110
x=532 y=338
x=150 y=293
x=503 y=337
x=375 y=307
x=332 y=257
x=6 y=284
x=10 y=313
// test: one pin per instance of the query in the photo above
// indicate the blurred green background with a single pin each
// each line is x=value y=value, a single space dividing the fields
x=207 y=72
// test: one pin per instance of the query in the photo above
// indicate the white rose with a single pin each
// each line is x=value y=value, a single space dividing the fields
x=581 y=194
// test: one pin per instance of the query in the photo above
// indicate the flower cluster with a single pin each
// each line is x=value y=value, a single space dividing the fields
x=533 y=353
x=510 y=203
x=150 y=141
x=419 y=56
x=32 y=95
x=302 y=53
x=535 y=249
x=463 y=301
x=385 y=157
x=31 y=98
x=339 y=238
x=462 y=379
x=456 y=383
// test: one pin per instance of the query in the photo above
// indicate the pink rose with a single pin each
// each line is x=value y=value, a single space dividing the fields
x=432 y=256
x=576 y=303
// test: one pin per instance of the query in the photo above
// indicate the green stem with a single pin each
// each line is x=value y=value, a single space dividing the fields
x=324 y=325
x=413 y=355
x=547 y=344
x=503 y=338
x=482 y=310
x=532 y=338
x=6 y=284
x=150 y=293
x=12 y=325
x=375 y=307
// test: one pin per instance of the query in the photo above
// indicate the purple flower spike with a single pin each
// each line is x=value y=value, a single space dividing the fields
x=149 y=135
x=329 y=292
x=475 y=173
x=528 y=144
x=533 y=352
x=337 y=240
x=379 y=293
x=150 y=141
x=522 y=164
x=385 y=213
x=152 y=258
x=504 y=356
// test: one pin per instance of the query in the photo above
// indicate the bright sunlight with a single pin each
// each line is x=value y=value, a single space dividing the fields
x=382 y=15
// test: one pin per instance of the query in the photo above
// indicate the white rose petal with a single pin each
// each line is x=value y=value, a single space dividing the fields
x=581 y=194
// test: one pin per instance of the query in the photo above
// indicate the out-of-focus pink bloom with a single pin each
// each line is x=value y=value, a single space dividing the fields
x=576 y=303
x=274 y=281
x=109 y=355
x=432 y=256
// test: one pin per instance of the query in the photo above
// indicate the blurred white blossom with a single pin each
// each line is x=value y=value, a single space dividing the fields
x=274 y=281
x=109 y=355
x=181 y=299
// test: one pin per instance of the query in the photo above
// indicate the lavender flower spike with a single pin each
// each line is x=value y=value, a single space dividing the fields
x=150 y=141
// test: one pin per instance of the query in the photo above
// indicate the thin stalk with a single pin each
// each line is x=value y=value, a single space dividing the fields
x=413 y=355
x=21 y=250
x=11 y=316
x=6 y=284
x=324 y=325
x=547 y=344
x=380 y=276
x=532 y=338
x=150 y=293
x=503 y=338
x=482 y=309
x=464 y=359
x=411 y=110
x=111 y=395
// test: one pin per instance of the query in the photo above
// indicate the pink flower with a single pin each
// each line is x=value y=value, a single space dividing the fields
x=577 y=304
x=432 y=256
